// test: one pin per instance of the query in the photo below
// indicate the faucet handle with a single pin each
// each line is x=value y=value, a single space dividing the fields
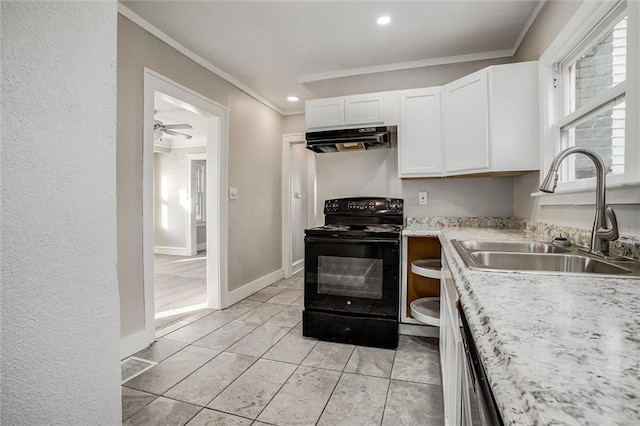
x=609 y=234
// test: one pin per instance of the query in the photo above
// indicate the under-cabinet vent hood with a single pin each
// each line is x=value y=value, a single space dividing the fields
x=359 y=139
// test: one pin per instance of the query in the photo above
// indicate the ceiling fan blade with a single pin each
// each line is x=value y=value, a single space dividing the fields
x=177 y=134
x=178 y=126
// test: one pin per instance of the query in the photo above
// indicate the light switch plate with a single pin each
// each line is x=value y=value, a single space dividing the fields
x=233 y=193
x=422 y=198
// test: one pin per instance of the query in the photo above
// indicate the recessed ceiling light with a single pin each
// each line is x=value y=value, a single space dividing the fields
x=293 y=99
x=383 y=20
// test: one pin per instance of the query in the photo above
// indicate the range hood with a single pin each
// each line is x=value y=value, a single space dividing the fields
x=358 y=139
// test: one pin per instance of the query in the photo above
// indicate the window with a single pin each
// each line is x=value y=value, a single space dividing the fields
x=589 y=79
x=200 y=193
x=592 y=90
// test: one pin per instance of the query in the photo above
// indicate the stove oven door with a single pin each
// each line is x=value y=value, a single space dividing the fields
x=356 y=276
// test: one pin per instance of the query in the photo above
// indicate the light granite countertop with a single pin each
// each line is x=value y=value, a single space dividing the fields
x=562 y=350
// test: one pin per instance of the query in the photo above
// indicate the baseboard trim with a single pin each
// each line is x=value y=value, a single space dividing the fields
x=201 y=246
x=248 y=289
x=297 y=266
x=175 y=251
x=419 y=330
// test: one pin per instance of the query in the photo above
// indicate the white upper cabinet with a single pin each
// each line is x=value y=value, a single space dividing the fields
x=321 y=113
x=364 y=109
x=467 y=124
x=420 y=148
x=372 y=109
x=491 y=120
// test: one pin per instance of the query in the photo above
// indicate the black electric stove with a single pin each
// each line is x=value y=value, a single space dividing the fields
x=352 y=272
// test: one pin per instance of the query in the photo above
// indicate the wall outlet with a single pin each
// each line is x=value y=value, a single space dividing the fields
x=233 y=193
x=422 y=198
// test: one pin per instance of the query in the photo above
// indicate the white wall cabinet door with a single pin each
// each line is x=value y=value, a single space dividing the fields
x=420 y=148
x=467 y=124
x=324 y=113
x=364 y=109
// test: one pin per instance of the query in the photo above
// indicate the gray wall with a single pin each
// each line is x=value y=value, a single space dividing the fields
x=375 y=173
x=59 y=296
x=255 y=134
x=551 y=20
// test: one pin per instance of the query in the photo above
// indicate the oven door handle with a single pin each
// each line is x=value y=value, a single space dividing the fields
x=388 y=242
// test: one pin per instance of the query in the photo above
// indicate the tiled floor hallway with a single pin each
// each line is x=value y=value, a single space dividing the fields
x=249 y=364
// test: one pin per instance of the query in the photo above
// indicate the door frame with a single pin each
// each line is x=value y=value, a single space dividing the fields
x=288 y=141
x=216 y=181
x=192 y=225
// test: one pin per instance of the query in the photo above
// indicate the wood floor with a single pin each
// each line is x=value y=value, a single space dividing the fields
x=180 y=286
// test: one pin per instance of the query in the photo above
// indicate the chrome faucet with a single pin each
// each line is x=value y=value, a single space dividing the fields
x=601 y=235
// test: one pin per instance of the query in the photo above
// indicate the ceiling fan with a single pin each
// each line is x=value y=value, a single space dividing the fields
x=168 y=129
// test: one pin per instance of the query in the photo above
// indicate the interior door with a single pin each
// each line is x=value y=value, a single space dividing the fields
x=299 y=203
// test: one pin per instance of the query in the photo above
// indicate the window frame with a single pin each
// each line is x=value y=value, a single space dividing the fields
x=588 y=25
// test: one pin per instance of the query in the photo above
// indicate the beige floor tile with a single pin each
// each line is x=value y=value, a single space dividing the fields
x=260 y=340
x=371 y=361
x=330 y=355
x=226 y=335
x=288 y=317
x=200 y=328
x=163 y=411
x=412 y=404
x=209 y=417
x=286 y=297
x=212 y=378
x=291 y=348
x=261 y=314
x=163 y=376
x=417 y=360
x=302 y=399
x=253 y=390
x=160 y=350
x=356 y=400
x=134 y=401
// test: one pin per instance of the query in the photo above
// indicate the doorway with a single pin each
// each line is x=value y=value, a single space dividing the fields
x=180 y=270
x=299 y=199
x=213 y=184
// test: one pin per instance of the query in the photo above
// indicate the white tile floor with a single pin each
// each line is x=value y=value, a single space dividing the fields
x=250 y=365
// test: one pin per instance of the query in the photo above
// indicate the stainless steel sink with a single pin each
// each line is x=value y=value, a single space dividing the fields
x=544 y=262
x=539 y=257
x=511 y=246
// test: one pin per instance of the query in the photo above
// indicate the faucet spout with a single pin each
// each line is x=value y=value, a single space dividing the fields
x=600 y=233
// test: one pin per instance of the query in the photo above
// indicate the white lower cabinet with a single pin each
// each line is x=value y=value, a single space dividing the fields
x=452 y=356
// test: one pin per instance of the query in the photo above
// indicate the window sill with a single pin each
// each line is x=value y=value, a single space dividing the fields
x=617 y=193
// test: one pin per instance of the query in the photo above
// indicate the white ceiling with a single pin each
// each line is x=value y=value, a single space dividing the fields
x=274 y=47
x=168 y=111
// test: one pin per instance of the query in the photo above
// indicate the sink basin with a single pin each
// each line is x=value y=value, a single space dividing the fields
x=544 y=262
x=515 y=246
x=539 y=257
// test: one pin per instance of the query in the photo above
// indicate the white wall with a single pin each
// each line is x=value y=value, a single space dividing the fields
x=60 y=314
x=375 y=173
x=172 y=169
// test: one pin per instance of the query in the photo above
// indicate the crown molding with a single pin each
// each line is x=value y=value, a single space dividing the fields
x=527 y=25
x=150 y=28
x=445 y=60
